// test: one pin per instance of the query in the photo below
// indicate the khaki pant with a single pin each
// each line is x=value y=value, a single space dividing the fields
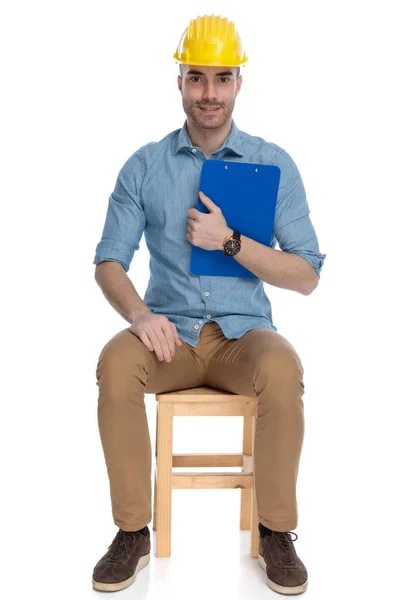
x=261 y=363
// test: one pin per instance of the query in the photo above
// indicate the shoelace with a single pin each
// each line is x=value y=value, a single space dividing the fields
x=285 y=544
x=120 y=543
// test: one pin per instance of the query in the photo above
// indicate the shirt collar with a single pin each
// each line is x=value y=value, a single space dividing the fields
x=232 y=142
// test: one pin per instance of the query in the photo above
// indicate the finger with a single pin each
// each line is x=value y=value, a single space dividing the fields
x=158 y=328
x=146 y=341
x=178 y=341
x=170 y=339
x=154 y=339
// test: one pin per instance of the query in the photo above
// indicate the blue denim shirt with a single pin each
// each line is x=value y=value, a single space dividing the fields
x=155 y=189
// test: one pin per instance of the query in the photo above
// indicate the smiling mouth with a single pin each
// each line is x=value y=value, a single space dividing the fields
x=209 y=109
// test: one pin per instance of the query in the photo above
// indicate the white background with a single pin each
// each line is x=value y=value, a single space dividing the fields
x=84 y=85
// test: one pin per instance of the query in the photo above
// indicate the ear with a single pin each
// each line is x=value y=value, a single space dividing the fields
x=179 y=83
x=238 y=85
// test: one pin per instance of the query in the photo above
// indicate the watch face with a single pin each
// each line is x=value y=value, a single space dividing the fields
x=232 y=247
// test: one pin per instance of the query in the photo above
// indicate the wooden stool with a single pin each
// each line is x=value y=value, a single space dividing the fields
x=202 y=401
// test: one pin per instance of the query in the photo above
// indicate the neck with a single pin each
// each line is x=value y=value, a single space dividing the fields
x=209 y=140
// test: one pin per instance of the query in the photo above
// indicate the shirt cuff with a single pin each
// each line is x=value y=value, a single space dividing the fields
x=114 y=251
x=316 y=259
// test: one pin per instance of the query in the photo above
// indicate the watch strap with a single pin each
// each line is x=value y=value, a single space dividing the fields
x=235 y=235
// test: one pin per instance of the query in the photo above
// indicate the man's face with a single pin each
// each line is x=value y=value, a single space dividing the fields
x=214 y=87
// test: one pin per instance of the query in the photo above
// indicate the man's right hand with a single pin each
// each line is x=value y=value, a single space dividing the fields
x=157 y=333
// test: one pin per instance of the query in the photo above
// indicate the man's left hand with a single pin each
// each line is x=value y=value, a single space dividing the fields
x=207 y=231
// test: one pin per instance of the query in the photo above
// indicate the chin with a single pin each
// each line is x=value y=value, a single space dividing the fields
x=210 y=123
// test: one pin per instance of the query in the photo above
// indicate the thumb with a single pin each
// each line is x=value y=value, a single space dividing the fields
x=207 y=201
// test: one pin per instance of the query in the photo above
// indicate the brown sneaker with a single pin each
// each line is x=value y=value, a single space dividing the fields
x=128 y=553
x=286 y=573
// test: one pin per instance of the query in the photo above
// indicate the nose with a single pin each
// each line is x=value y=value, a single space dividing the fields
x=209 y=92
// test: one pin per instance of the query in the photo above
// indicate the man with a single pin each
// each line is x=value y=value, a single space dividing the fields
x=195 y=330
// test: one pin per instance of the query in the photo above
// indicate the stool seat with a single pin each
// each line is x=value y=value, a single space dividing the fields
x=203 y=401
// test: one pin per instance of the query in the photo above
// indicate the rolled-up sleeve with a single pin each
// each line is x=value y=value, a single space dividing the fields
x=293 y=229
x=125 y=218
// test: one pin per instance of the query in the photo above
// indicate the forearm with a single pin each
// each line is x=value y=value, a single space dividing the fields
x=119 y=290
x=282 y=269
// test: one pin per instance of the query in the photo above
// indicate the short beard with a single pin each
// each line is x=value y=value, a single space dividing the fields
x=190 y=112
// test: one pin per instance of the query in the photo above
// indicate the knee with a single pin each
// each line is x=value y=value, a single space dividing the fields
x=282 y=366
x=119 y=361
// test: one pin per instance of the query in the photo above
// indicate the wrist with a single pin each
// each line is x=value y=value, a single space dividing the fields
x=137 y=313
x=228 y=234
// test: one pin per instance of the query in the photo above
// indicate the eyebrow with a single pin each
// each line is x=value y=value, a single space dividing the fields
x=194 y=72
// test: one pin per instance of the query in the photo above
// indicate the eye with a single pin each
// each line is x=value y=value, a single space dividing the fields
x=226 y=79
x=194 y=77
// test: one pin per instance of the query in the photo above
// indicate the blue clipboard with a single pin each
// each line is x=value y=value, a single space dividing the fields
x=247 y=194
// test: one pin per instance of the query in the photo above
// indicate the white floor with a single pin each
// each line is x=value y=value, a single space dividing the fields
x=347 y=502
x=210 y=557
x=57 y=521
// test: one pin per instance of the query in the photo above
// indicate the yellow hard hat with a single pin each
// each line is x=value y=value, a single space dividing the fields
x=210 y=41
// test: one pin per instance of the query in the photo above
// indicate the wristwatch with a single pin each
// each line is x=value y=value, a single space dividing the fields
x=232 y=244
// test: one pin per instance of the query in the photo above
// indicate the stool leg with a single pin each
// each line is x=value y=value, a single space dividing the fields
x=155 y=501
x=254 y=525
x=245 y=508
x=164 y=482
x=254 y=543
x=155 y=478
x=245 y=494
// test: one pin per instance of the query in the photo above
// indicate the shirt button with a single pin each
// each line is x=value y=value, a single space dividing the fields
x=206 y=293
x=208 y=316
x=196 y=326
x=194 y=150
x=200 y=321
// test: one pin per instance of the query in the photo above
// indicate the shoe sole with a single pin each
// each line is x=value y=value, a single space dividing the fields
x=282 y=589
x=115 y=587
